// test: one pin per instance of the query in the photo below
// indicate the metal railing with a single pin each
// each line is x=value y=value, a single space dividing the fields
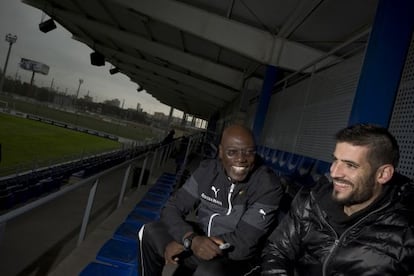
x=88 y=214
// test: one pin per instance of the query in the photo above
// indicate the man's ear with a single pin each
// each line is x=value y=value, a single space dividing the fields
x=385 y=173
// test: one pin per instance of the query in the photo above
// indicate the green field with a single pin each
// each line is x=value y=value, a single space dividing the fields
x=128 y=130
x=27 y=144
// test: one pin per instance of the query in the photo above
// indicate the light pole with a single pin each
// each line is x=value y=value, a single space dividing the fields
x=77 y=92
x=10 y=39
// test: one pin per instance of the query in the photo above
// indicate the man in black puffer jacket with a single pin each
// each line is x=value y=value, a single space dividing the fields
x=358 y=223
x=236 y=200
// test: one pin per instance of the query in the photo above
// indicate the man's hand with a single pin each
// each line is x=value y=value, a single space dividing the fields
x=206 y=248
x=171 y=251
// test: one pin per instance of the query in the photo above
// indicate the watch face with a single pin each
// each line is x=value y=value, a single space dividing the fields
x=187 y=244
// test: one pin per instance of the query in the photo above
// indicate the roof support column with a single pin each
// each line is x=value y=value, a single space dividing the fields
x=384 y=61
x=170 y=116
x=184 y=119
x=271 y=76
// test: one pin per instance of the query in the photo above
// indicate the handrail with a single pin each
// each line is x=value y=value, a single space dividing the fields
x=41 y=201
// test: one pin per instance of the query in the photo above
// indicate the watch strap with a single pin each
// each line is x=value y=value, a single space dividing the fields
x=187 y=241
x=190 y=237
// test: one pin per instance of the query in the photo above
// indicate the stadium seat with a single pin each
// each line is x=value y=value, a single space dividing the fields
x=319 y=168
x=280 y=166
x=267 y=157
x=259 y=151
x=21 y=194
x=154 y=198
x=128 y=231
x=276 y=156
x=119 y=253
x=168 y=175
x=99 y=269
x=6 y=201
x=305 y=166
x=159 y=191
x=138 y=216
x=147 y=208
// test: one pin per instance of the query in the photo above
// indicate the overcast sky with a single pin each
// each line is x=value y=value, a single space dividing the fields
x=67 y=58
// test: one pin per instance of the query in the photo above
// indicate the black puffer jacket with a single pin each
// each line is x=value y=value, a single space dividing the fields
x=378 y=241
x=242 y=214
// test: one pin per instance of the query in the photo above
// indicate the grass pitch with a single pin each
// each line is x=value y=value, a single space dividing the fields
x=27 y=144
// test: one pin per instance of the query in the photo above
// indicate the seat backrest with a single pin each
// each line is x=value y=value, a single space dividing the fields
x=319 y=169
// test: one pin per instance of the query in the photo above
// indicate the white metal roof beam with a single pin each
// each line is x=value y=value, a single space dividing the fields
x=219 y=73
x=167 y=95
x=189 y=92
x=246 y=40
x=299 y=15
x=208 y=88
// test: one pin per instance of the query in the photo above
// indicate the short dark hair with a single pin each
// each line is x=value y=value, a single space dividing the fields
x=383 y=145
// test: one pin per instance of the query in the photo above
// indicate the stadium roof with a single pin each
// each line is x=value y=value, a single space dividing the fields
x=198 y=55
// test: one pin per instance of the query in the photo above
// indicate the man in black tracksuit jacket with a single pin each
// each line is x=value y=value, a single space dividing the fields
x=236 y=201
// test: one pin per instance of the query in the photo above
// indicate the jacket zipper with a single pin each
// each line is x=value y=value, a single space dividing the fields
x=338 y=240
x=227 y=213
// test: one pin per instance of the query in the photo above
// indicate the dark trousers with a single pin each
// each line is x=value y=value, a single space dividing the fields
x=154 y=238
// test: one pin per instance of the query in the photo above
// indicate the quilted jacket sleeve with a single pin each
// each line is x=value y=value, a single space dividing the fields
x=284 y=243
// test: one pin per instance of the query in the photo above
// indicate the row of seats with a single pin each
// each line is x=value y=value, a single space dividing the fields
x=119 y=255
x=22 y=188
x=295 y=170
x=13 y=195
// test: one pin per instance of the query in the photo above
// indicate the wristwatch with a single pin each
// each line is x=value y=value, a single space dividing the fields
x=188 y=241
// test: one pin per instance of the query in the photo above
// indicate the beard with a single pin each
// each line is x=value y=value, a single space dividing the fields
x=364 y=192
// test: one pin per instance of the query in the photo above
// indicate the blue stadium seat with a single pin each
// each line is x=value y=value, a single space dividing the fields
x=138 y=216
x=276 y=156
x=260 y=150
x=119 y=253
x=305 y=166
x=51 y=184
x=167 y=187
x=99 y=269
x=147 y=208
x=159 y=191
x=152 y=203
x=293 y=163
x=300 y=174
x=21 y=194
x=166 y=179
x=168 y=175
x=128 y=231
x=155 y=198
x=267 y=157
x=280 y=167
x=319 y=168
x=7 y=201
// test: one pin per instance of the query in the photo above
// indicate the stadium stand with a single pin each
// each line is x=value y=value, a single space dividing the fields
x=119 y=255
x=23 y=187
